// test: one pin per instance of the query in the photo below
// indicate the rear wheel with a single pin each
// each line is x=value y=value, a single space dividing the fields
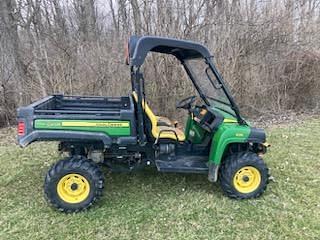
x=73 y=184
x=243 y=175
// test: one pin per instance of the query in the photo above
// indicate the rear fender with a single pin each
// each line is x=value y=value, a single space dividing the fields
x=78 y=136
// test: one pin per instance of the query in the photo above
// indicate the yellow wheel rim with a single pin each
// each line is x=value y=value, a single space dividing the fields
x=247 y=179
x=73 y=188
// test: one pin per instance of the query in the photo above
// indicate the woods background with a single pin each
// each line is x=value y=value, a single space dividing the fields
x=267 y=50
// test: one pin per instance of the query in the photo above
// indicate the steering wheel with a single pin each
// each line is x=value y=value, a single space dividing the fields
x=186 y=103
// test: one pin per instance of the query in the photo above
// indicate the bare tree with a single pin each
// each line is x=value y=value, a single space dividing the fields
x=268 y=51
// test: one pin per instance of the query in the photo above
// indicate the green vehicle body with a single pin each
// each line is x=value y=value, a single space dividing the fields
x=122 y=124
x=123 y=134
x=229 y=132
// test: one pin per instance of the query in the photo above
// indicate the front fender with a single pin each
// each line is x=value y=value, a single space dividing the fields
x=226 y=134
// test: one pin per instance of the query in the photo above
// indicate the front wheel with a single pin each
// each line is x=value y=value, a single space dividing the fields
x=243 y=175
x=73 y=184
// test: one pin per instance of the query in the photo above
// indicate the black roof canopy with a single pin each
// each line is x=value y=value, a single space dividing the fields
x=140 y=46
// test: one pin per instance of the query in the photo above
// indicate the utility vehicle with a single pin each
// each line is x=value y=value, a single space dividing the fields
x=124 y=134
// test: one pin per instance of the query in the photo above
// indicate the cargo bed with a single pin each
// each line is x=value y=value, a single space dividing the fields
x=75 y=118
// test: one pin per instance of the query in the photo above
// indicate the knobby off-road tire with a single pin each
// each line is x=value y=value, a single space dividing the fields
x=73 y=184
x=243 y=175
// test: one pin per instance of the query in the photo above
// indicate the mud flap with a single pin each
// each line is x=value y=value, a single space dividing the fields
x=213 y=172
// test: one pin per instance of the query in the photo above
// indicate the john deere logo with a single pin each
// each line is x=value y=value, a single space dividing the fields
x=239 y=134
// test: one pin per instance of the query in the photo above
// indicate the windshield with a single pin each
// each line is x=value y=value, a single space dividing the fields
x=209 y=85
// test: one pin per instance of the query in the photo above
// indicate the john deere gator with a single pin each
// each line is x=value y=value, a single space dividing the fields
x=124 y=134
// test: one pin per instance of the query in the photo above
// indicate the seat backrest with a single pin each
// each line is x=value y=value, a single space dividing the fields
x=168 y=133
x=149 y=113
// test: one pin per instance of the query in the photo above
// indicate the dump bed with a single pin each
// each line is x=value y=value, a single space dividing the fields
x=110 y=120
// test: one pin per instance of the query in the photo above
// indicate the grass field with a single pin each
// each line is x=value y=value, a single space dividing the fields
x=151 y=205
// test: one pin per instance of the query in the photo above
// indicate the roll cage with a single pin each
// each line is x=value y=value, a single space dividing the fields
x=138 y=49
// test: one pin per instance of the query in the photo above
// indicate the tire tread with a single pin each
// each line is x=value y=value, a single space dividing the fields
x=234 y=162
x=72 y=164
